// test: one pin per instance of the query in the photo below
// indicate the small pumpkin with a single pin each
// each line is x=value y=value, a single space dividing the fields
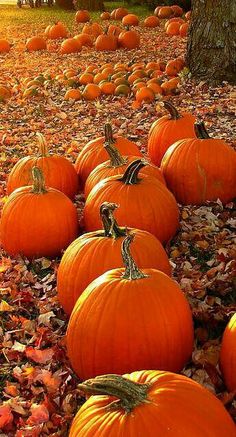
x=158 y=215
x=228 y=354
x=149 y=403
x=5 y=93
x=36 y=43
x=93 y=29
x=165 y=12
x=173 y=28
x=38 y=221
x=4 y=46
x=78 y=266
x=177 y=10
x=116 y=166
x=129 y=319
x=183 y=30
x=151 y=21
x=130 y=20
x=82 y=16
x=94 y=152
x=58 y=171
x=91 y=92
x=167 y=130
x=56 y=31
x=105 y=15
x=129 y=39
x=84 y=39
x=200 y=169
x=106 y=42
x=120 y=13
x=73 y=93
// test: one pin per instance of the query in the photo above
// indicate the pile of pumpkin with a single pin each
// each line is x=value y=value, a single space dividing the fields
x=145 y=81
x=126 y=313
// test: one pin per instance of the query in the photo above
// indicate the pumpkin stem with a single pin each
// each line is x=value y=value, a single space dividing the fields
x=108 y=134
x=130 y=393
x=38 y=181
x=174 y=114
x=200 y=131
x=131 y=269
x=111 y=228
x=130 y=176
x=116 y=159
x=43 y=148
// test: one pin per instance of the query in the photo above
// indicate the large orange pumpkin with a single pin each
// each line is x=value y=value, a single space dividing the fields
x=36 y=43
x=149 y=403
x=78 y=266
x=228 y=354
x=56 y=31
x=152 y=206
x=38 y=221
x=70 y=45
x=82 y=16
x=130 y=319
x=58 y=171
x=200 y=169
x=94 y=152
x=106 y=42
x=167 y=130
x=130 y=20
x=129 y=39
x=116 y=166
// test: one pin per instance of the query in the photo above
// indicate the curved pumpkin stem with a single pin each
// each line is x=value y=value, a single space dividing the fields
x=109 y=134
x=38 y=181
x=111 y=228
x=200 y=131
x=116 y=159
x=131 y=269
x=174 y=114
x=43 y=148
x=130 y=393
x=130 y=177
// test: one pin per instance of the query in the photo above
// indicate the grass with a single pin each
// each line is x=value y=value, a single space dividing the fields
x=11 y=15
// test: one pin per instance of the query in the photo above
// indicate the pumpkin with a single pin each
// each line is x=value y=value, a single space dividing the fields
x=73 y=93
x=129 y=319
x=167 y=130
x=151 y=21
x=91 y=92
x=165 y=12
x=5 y=93
x=129 y=39
x=145 y=94
x=120 y=13
x=130 y=20
x=107 y=87
x=158 y=215
x=173 y=67
x=82 y=16
x=93 y=29
x=149 y=403
x=94 y=152
x=84 y=39
x=105 y=15
x=106 y=43
x=78 y=266
x=173 y=28
x=4 y=46
x=228 y=354
x=56 y=31
x=114 y=30
x=70 y=45
x=59 y=173
x=116 y=166
x=200 y=169
x=177 y=10
x=183 y=30
x=37 y=221
x=173 y=20
x=36 y=43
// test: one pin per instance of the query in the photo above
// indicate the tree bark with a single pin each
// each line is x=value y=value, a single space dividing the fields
x=91 y=5
x=211 y=50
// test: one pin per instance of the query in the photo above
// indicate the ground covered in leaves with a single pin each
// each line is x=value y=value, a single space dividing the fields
x=38 y=387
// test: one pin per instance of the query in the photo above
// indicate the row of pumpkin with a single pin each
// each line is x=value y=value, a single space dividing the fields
x=124 y=319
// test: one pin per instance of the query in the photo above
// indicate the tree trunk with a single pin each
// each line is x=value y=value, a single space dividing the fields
x=211 y=50
x=91 y=5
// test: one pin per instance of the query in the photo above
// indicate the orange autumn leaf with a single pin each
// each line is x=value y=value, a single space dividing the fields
x=5 y=307
x=5 y=264
x=6 y=416
x=39 y=356
x=39 y=414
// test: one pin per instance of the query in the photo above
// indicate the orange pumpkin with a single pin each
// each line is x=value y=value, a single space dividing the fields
x=165 y=12
x=106 y=42
x=94 y=152
x=82 y=16
x=93 y=29
x=5 y=93
x=38 y=221
x=70 y=45
x=129 y=39
x=73 y=93
x=183 y=30
x=91 y=92
x=107 y=87
x=120 y=13
x=158 y=215
x=56 y=31
x=145 y=94
x=167 y=130
x=116 y=166
x=151 y=21
x=177 y=10
x=173 y=28
x=59 y=173
x=84 y=39
x=130 y=20
x=77 y=269
x=148 y=315
x=149 y=403
x=36 y=43
x=105 y=16
x=228 y=354
x=4 y=46
x=200 y=169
